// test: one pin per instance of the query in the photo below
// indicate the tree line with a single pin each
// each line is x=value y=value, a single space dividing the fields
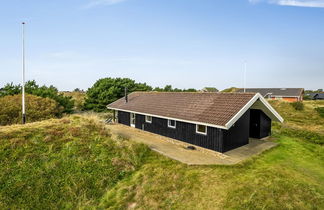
x=108 y=90
x=103 y=92
x=32 y=88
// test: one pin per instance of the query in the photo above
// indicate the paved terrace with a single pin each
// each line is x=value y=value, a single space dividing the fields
x=177 y=150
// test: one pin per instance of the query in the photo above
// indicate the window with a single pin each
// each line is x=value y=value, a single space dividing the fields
x=171 y=123
x=148 y=119
x=201 y=129
x=132 y=119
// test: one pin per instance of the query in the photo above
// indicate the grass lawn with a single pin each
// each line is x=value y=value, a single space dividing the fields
x=289 y=176
x=74 y=163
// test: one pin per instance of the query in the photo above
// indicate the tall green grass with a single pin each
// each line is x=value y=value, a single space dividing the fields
x=68 y=163
x=75 y=163
x=290 y=176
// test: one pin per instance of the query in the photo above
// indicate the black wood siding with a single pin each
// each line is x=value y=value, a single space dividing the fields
x=123 y=118
x=265 y=125
x=238 y=134
x=216 y=139
x=184 y=131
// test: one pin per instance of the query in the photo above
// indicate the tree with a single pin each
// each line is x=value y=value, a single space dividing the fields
x=108 y=90
x=168 y=88
x=190 y=90
x=10 y=89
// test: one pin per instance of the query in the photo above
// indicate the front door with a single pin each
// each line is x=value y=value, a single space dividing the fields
x=254 y=123
x=132 y=120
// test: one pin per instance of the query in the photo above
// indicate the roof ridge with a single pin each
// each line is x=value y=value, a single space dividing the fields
x=166 y=92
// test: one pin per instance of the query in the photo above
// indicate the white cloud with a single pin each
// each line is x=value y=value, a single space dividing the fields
x=95 y=3
x=296 y=3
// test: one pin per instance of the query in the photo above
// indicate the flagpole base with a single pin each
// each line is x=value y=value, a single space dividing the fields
x=24 y=119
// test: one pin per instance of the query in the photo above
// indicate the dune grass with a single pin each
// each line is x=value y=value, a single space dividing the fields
x=307 y=124
x=67 y=163
x=289 y=176
x=75 y=163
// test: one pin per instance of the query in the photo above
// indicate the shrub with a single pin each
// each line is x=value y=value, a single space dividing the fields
x=37 y=108
x=299 y=106
x=320 y=111
x=78 y=98
x=43 y=91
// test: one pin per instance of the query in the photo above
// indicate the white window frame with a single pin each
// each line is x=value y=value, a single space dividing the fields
x=146 y=119
x=203 y=133
x=132 y=118
x=170 y=126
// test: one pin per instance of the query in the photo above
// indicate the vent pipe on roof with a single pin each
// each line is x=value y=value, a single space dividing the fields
x=126 y=95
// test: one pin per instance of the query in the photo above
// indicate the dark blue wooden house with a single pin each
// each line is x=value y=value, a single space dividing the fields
x=216 y=121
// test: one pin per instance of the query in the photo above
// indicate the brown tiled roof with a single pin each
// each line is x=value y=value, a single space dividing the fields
x=209 y=108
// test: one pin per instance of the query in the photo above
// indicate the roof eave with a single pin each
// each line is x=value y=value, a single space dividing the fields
x=171 y=118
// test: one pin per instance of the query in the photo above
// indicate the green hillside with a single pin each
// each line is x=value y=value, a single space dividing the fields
x=74 y=162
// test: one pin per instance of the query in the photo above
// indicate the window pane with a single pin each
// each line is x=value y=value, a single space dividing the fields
x=201 y=128
x=172 y=123
x=148 y=118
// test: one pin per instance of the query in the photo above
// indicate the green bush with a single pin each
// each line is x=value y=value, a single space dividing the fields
x=43 y=91
x=37 y=108
x=320 y=111
x=108 y=90
x=299 y=106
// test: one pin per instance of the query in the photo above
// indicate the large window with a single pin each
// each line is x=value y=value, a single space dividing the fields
x=148 y=119
x=171 y=123
x=201 y=129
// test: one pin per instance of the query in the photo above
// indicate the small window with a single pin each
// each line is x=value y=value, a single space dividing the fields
x=201 y=129
x=171 y=123
x=148 y=119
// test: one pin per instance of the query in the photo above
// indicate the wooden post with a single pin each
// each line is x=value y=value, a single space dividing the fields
x=114 y=118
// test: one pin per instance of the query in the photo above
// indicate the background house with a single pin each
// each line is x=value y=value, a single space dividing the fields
x=316 y=96
x=287 y=94
x=216 y=121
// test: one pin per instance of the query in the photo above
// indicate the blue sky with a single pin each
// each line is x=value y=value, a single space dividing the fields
x=185 y=43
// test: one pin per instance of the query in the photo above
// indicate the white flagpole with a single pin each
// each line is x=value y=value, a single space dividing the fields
x=23 y=74
x=244 y=77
